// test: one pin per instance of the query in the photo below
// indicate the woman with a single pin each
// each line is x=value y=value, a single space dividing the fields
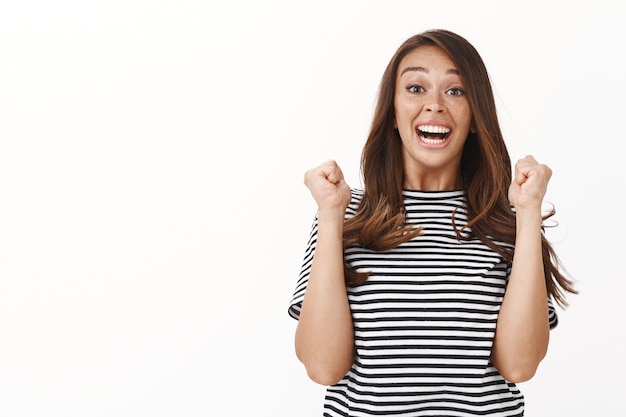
x=429 y=292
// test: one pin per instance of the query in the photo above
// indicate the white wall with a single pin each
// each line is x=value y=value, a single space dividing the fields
x=152 y=211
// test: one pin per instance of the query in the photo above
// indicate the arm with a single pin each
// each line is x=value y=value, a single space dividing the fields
x=522 y=332
x=325 y=336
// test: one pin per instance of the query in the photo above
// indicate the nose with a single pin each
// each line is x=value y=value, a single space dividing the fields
x=434 y=103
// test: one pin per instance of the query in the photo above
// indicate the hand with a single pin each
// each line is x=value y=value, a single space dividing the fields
x=530 y=183
x=328 y=186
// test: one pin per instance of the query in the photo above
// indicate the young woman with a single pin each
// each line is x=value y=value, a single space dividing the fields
x=429 y=292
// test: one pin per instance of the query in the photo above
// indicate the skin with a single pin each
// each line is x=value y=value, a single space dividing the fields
x=325 y=336
x=522 y=331
x=428 y=92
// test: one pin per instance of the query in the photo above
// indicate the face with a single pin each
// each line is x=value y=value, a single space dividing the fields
x=433 y=118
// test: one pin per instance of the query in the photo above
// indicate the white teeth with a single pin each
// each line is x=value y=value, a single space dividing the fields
x=433 y=129
x=431 y=141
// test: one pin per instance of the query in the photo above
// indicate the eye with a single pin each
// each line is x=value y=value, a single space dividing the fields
x=414 y=88
x=455 y=91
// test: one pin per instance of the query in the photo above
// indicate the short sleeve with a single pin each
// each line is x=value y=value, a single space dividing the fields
x=553 y=318
x=296 y=301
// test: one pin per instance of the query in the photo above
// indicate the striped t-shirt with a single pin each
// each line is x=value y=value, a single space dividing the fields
x=424 y=320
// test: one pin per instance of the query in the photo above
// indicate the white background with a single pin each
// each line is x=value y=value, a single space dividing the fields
x=153 y=216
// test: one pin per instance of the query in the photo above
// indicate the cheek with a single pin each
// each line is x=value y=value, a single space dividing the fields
x=404 y=112
x=460 y=110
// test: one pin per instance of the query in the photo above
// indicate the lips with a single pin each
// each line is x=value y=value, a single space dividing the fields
x=433 y=134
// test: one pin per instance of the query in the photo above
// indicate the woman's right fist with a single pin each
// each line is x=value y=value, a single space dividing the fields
x=328 y=187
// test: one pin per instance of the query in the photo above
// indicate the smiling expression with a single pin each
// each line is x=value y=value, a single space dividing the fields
x=433 y=118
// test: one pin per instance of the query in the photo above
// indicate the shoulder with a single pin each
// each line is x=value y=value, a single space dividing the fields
x=357 y=197
x=357 y=194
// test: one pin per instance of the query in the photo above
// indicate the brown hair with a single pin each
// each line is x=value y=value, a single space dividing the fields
x=379 y=222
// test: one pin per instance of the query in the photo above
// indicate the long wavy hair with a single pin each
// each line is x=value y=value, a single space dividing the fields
x=380 y=219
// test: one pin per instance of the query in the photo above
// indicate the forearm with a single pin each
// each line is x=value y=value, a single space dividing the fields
x=522 y=332
x=325 y=334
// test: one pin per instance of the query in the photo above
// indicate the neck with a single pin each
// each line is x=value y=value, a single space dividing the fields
x=434 y=182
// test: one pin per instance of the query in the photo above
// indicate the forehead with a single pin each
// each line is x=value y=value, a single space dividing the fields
x=430 y=58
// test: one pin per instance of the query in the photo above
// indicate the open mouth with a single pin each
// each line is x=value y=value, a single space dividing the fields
x=433 y=134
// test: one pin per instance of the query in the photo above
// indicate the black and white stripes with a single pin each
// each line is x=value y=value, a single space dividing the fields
x=424 y=321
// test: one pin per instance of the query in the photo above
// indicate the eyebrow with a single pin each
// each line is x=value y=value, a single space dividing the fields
x=422 y=69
